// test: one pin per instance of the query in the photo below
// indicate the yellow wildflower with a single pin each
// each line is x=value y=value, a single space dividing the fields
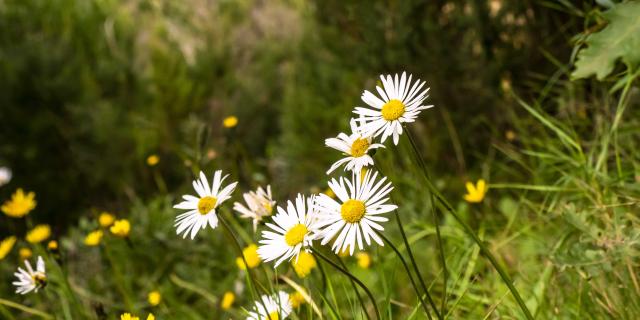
x=6 y=245
x=154 y=298
x=344 y=253
x=39 y=233
x=121 y=228
x=364 y=260
x=251 y=255
x=152 y=160
x=128 y=316
x=52 y=245
x=510 y=135
x=296 y=299
x=227 y=300
x=230 y=122
x=25 y=253
x=20 y=204
x=306 y=262
x=106 y=219
x=93 y=238
x=330 y=193
x=151 y=317
x=476 y=193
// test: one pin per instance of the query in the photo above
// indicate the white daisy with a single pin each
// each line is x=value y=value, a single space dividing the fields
x=399 y=102
x=202 y=209
x=30 y=280
x=259 y=204
x=355 y=146
x=357 y=214
x=292 y=231
x=271 y=308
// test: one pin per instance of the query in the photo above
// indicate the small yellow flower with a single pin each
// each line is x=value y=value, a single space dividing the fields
x=25 y=253
x=20 y=204
x=151 y=317
x=344 y=253
x=39 y=233
x=128 y=316
x=227 y=300
x=6 y=245
x=121 y=228
x=330 y=193
x=510 y=135
x=93 y=238
x=106 y=219
x=52 y=245
x=296 y=299
x=152 y=160
x=154 y=298
x=251 y=255
x=364 y=260
x=476 y=193
x=230 y=122
x=306 y=262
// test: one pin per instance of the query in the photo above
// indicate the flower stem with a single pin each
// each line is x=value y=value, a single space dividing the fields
x=352 y=277
x=355 y=289
x=413 y=282
x=253 y=281
x=487 y=253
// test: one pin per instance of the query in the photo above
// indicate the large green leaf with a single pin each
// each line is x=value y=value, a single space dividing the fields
x=619 y=40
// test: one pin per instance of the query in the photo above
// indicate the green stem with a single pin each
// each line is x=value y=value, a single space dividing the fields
x=26 y=309
x=487 y=253
x=355 y=289
x=413 y=282
x=120 y=283
x=348 y=274
x=254 y=286
x=439 y=241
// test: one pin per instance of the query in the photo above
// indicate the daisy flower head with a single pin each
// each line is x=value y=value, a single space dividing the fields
x=201 y=210
x=292 y=229
x=271 y=308
x=355 y=147
x=259 y=204
x=356 y=213
x=30 y=280
x=400 y=101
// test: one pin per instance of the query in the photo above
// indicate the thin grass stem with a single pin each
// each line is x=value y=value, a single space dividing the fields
x=487 y=253
x=348 y=274
x=413 y=282
x=355 y=289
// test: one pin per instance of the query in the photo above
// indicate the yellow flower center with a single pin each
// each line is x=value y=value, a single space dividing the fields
x=274 y=315
x=296 y=234
x=359 y=147
x=39 y=279
x=352 y=211
x=267 y=206
x=392 y=110
x=206 y=204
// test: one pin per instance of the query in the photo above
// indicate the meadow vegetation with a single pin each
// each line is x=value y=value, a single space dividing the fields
x=525 y=173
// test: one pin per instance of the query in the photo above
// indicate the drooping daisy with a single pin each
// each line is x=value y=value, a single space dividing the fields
x=291 y=232
x=355 y=146
x=202 y=209
x=356 y=214
x=259 y=204
x=399 y=102
x=30 y=280
x=271 y=308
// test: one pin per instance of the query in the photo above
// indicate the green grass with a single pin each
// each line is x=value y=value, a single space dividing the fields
x=91 y=88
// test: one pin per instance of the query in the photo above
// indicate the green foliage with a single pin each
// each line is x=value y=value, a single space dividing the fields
x=89 y=89
x=620 y=39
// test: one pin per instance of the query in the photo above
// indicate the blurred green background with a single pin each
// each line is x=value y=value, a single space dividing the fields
x=89 y=89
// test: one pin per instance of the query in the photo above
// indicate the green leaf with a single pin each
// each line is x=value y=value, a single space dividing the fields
x=618 y=40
